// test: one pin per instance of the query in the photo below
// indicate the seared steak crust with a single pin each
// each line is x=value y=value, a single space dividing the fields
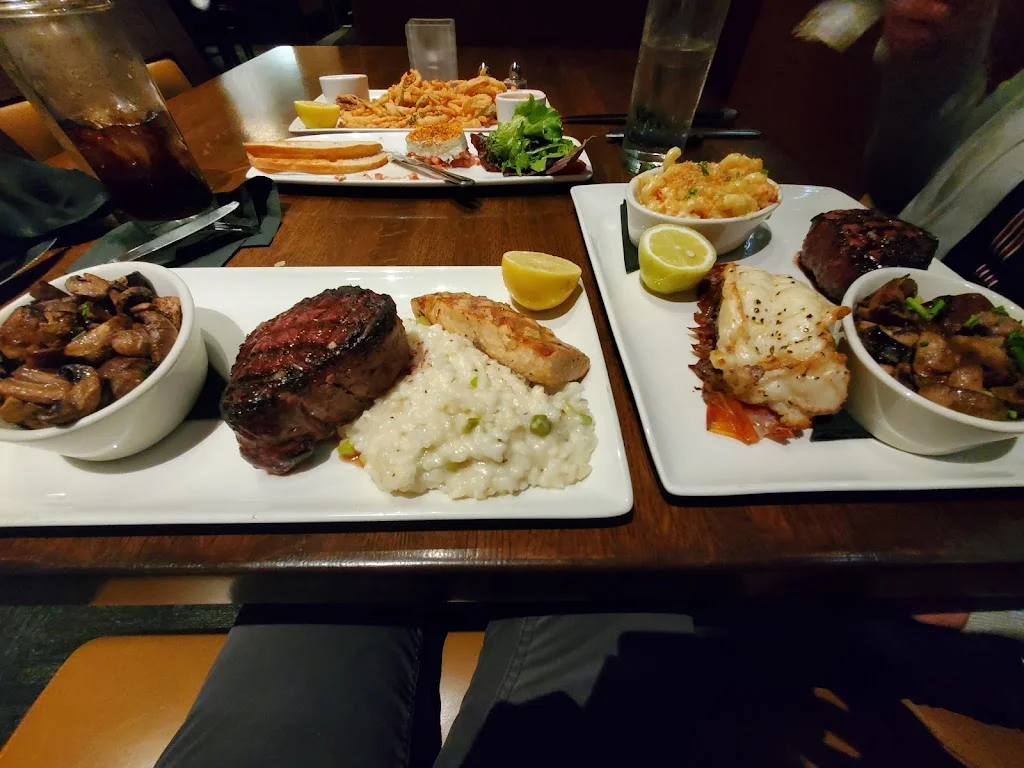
x=313 y=367
x=843 y=245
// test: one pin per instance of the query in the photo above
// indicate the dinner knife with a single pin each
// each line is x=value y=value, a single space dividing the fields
x=418 y=165
x=710 y=133
x=176 y=234
x=724 y=114
x=36 y=255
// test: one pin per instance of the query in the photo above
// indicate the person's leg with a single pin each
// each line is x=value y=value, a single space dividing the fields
x=312 y=695
x=570 y=690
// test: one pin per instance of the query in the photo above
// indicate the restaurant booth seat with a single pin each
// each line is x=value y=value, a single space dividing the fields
x=22 y=124
x=117 y=701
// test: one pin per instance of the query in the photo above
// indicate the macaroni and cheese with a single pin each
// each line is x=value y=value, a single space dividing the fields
x=734 y=187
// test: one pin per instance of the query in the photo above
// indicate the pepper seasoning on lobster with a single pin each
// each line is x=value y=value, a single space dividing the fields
x=767 y=358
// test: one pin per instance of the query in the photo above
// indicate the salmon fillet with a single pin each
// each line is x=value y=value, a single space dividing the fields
x=510 y=337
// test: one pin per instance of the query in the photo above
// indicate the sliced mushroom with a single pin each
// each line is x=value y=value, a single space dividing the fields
x=988 y=352
x=135 y=342
x=44 y=389
x=129 y=297
x=48 y=306
x=933 y=355
x=43 y=291
x=966 y=401
x=15 y=411
x=93 y=313
x=967 y=377
x=169 y=306
x=84 y=397
x=123 y=374
x=93 y=346
x=162 y=334
x=46 y=358
x=132 y=280
x=88 y=286
x=27 y=331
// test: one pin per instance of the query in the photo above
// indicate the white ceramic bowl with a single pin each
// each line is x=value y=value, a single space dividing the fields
x=896 y=414
x=724 y=234
x=149 y=412
x=505 y=103
x=333 y=86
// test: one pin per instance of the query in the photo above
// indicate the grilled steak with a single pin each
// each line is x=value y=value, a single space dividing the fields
x=313 y=367
x=843 y=245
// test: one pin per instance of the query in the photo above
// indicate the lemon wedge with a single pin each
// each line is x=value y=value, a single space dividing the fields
x=538 y=281
x=316 y=114
x=674 y=258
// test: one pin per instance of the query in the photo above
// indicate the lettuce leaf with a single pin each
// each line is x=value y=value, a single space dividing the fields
x=528 y=143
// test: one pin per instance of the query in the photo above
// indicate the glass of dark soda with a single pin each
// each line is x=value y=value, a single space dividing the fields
x=74 y=63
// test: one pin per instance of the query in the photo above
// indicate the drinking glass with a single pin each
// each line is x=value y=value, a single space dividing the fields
x=73 y=62
x=679 y=41
x=431 y=45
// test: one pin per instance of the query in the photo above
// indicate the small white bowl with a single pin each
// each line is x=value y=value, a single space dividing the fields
x=724 y=234
x=505 y=103
x=897 y=415
x=149 y=412
x=333 y=86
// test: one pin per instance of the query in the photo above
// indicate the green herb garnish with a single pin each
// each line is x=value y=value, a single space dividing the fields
x=1015 y=348
x=85 y=309
x=1012 y=415
x=692 y=192
x=1001 y=310
x=973 y=320
x=346 y=450
x=421 y=320
x=928 y=311
x=474 y=382
x=704 y=167
x=471 y=423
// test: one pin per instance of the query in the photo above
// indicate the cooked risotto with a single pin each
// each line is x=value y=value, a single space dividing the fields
x=734 y=187
x=466 y=424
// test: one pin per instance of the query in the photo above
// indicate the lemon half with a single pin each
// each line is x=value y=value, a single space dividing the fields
x=674 y=258
x=538 y=281
x=316 y=114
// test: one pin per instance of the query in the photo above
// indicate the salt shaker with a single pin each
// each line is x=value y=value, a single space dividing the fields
x=515 y=79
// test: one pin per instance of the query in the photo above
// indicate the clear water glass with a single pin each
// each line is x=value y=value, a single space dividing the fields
x=678 y=44
x=431 y=45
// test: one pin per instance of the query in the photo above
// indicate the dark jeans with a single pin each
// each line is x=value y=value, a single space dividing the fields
x=589 y=690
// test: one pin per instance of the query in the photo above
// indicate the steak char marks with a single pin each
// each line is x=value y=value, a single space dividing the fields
x=843 y=245
x=312 y=368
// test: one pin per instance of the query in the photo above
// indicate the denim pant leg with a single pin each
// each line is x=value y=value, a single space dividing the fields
x=588 y=690
x=315 y=696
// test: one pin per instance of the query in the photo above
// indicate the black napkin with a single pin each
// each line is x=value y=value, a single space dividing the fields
x=38 y=202
x=258 y=214
x=630 y=254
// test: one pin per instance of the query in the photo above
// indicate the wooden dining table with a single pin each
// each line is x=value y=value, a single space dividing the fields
x=924 y=549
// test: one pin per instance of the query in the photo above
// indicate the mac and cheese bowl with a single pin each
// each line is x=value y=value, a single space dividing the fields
x=723 y=201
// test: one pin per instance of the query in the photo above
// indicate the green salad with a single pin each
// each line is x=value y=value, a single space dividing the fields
x=531 y=143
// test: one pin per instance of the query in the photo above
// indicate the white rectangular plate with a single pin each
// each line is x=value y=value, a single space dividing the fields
x=197 y=476
x=396 y=176
x=654 y=341
x=297 y=126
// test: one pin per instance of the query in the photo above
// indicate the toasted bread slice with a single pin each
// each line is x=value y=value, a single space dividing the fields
x=318 y=165
x=511 y=338
x=313 y=150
